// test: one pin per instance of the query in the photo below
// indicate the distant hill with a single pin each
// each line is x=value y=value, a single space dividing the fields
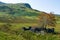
x=2 y=3
x=20 y=12
x=21 y=9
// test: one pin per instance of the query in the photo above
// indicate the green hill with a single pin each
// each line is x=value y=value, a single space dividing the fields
x=19 y=9
x=20 y=12
x=17 y=12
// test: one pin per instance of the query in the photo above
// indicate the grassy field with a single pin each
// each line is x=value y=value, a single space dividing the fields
x=20 y=25
x=27 y=35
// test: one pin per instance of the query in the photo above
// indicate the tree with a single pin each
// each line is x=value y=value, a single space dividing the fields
x=52 y=20
x=47 y=19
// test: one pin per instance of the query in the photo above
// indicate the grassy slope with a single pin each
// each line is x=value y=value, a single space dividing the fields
x=18 y=13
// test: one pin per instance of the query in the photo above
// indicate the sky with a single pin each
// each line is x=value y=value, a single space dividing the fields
x=41 y=5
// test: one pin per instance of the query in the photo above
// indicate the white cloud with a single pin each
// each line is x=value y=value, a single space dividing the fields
x=13 y=1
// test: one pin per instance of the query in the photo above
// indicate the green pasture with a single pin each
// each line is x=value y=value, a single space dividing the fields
x=27 y=35
x=20 y=25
